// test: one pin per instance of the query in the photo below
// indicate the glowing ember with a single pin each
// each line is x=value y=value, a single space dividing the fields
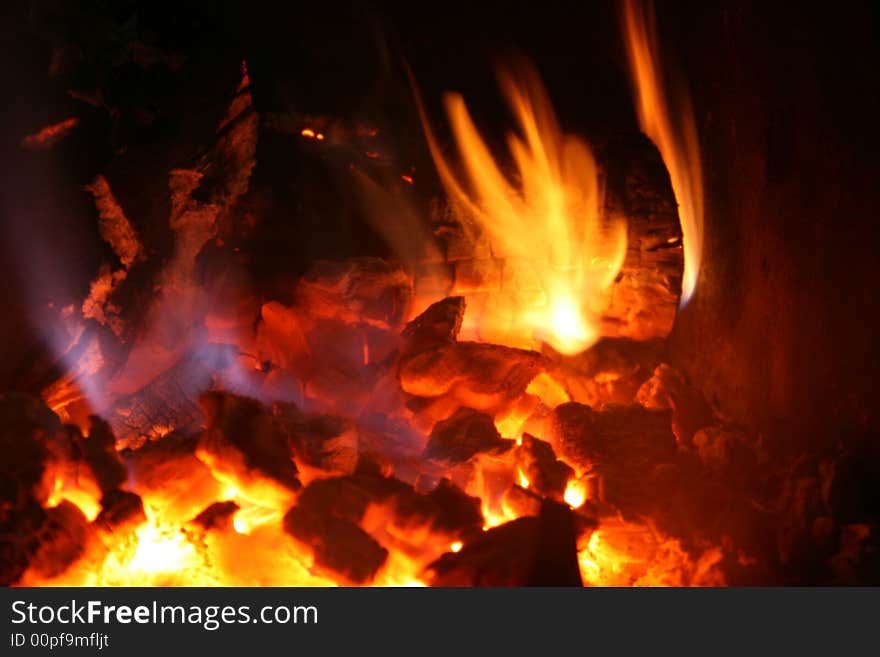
x=50 y=135
x=547 y=226
x=456 y=547
x=672 y=129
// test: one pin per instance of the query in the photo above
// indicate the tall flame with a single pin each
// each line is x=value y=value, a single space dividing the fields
x=673 y=132
x=548 y=222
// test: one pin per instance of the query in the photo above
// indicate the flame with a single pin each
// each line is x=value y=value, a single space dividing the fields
x=673 y=131
x=160 y=549
x=575 y=493
x=622 y=553
x=546 y=226
x=523 y=480
x=456 y=546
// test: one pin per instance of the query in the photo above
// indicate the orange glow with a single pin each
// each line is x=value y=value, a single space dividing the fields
x=161 y=549
x=672 y=129
x=559 y=254
x=575 y=493
x=622 y=553
x=456 y=547
x=50 y=135
x=84 y=494
x=522 y=479
x=407 y=179
x=308 y=133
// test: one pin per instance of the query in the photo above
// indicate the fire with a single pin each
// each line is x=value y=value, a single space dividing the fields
x=622 y=553
x=575 y=494
x=546 y=226
x=161 y=549
x=672 y=129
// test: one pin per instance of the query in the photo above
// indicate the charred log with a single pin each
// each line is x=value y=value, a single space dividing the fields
x=243 y=443
x=462 y=436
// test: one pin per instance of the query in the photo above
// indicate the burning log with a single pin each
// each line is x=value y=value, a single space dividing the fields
x=446 y=510
x=170 y=401
x=438 y=325
x=36 y=451
x=338 y=545
x=323 y=441
x=522 y=501
x=483 y=376
x=218 y=516
x=464 y=435
x=168 y=473
x=244 y=446
x=610 y=372
x=358 y=290
x=667 y=388
x=529 y=551
x=588 y=438
x=121 y=512
x=60 y=541
x=27 y=426
x=538 y=465
x=100 y=452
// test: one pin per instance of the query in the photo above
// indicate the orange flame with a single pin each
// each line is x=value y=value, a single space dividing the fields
x=673 y=131
x=547 y=226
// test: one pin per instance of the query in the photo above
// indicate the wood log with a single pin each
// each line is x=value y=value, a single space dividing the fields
x=529 y=551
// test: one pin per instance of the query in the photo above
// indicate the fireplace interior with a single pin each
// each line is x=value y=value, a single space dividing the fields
x=407 y=294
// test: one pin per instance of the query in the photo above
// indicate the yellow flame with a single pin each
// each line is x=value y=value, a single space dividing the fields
x=547 y=225
x=673 y=132
x=523 y=480
x=456 y=547
x=575 y=493
x=161 y=549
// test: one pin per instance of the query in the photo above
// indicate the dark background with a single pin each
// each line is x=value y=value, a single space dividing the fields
x=781 y=333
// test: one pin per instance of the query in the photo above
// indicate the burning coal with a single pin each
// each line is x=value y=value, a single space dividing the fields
x=492 y=408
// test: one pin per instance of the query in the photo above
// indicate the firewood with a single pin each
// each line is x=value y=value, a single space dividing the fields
x=439 y=324
x=631 y=433
x=370 y=290
x=529 y=551
x=609 y=372
x=121 y=512
x=501 y=556
x=26 y=427
x=170 y=401
x=546 y=475
x=555 y=562
x=667 y=388
x=337 y=544
x=100 y=452
x=167 y=471
x=483 y=376
x=323 y=441
x=243 y=443
x=465 y=434
x=217 y=516
x=60 y=541
x=522 y=501
x=348 y=497
x=446 y=509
